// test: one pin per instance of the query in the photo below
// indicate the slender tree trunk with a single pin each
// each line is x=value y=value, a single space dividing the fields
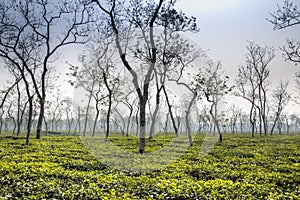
x=287 y=127
x=1 y=119
x=252 y=118
x=40 y=119
x=260 y=122
x=137 y=121
x=265 y=118
x=241 y=126
x=46 y=126
x=1 y=125
x=12 y=118
x=279 y=126
x=178 y=124
x=110 y=93
x=187 y=121
x=166 y=123
x=42 y=103
x=188 y=128
x=29 y=122
x=87 y=111
x=153 y=119
x=142 y=143
x=274 y=124
x=78 y=125
x=216 y=123
x=128 y=122
x=96 y=119
x=68 y=121
x=20 y=122
x=19 y=111
x=170 y=111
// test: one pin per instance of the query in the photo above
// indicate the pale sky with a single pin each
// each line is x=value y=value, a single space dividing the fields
x=227 y=25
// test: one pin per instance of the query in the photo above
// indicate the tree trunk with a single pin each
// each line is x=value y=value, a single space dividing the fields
x=109 y=104
x=1 y=125
x=142 y=143
x=78 y=121
x=137 y=121
x=19 y=122
x=170 y=111
x=187 y=113
x=188 y=128
x=29 y=122
x=153 y=118
x=46 y=126
x=252 y=119
x=12 y=118
x=42 y=100
x=40 y=119
x=279 y=126
x=274 y=124
x=166 y=123
x=95 y=123
x=128 y=122
x=87 y=111
x=143 y=96
x=216 y=123
x=241 y=126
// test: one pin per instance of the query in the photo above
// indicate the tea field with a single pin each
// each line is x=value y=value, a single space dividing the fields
x=61 y=167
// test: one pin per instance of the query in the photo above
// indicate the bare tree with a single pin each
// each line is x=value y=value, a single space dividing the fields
x=259 y=58
x=213 y=84
x=288 y=15
x=252 y=83
x=44 y=18
x=281 y=98
x=5 y=92
x=234 y=113
x=68 y=108
x=41 y=20
x=144 y=17
x=178 y=77
x=171 y=47
x=129 y=102
x=246 y=88
x=90 y=78
x=114 y=16
x=19 y=49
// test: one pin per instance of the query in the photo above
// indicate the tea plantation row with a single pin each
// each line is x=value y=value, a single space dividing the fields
x=61 y=167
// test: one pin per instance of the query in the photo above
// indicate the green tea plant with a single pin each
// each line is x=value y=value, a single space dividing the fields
x=60 y=167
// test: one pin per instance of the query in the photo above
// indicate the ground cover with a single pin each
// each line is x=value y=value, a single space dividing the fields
x=61 y=167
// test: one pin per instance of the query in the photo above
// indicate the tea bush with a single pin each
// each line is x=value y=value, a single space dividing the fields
x=60 y=167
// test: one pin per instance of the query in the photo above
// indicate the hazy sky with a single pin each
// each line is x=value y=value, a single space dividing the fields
x=225 y=27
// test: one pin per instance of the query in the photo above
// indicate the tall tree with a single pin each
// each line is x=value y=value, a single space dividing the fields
x=19 y=50
x=214 y=85
x=253 y=81
x=171 y=47
x=246 y=87
x=259 y=59
x=281 y=98
x=42 y=21
x=142 y=16
x=136 y=8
